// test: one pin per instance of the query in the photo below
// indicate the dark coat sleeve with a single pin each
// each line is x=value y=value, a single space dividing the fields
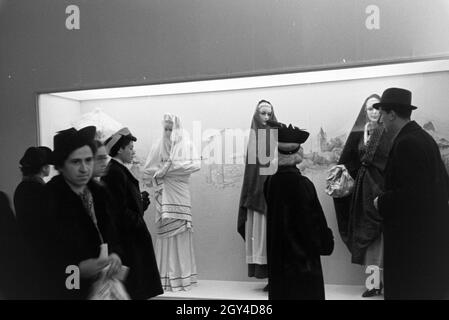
x=412 y=174
x=15 y=275
x=26 y=201
x=326 y=238
x=320 y=233
x=309 y=219
x=56 y=243
x=127 y=219
x=107 y=224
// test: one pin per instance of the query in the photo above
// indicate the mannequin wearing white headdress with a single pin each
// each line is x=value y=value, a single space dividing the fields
x=171 y=162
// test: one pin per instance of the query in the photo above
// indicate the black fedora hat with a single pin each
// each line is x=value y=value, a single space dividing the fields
x=394 y=99
x=66 y=141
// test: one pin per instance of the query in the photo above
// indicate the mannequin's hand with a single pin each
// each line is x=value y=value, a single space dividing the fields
x=159 y=174
x=162 y=171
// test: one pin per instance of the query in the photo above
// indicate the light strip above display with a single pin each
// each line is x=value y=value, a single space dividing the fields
x=259 y=81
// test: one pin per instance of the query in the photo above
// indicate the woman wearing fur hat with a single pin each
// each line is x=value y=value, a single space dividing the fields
x=297 y=229
x=75 y=218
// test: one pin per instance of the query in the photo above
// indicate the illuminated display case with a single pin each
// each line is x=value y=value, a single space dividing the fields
x=326 y=103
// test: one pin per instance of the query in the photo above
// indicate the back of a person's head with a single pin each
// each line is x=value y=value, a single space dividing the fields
x=34 y=160
x=401 y=113
x=404 y=114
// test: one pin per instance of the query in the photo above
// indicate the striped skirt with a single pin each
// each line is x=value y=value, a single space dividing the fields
x=174 y=243
x=176 y=261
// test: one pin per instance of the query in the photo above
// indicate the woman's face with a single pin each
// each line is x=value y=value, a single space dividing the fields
x=78 y=167
x=127 y=153
x=265 y=113
x=168 y=128
x=101 y=162
x=373 y=114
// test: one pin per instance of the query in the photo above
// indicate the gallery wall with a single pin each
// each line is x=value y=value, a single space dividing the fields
x=331 y=106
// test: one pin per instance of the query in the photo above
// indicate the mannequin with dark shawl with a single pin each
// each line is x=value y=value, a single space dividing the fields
x=251 y=223
x=365 y=156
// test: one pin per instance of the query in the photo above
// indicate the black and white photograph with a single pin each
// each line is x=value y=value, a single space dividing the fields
x=246 y=151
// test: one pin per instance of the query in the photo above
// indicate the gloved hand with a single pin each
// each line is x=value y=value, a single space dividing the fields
x=145 y=200
x=163 y=171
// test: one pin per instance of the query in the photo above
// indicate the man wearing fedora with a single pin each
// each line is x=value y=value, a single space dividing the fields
x=414 y=206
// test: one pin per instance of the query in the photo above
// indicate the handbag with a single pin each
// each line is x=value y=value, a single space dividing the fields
x=109 y=288
x=339 y=183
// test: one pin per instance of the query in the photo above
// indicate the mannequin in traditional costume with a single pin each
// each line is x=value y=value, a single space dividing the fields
x=171 y=162
x=365 y=156
x=297 y=229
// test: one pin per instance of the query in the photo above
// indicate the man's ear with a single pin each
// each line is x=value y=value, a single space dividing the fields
x=393 y=115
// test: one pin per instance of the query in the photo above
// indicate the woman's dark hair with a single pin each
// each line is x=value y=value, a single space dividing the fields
x=31 y=171
x=35 y=159
x=121 y=143
x=401 y=113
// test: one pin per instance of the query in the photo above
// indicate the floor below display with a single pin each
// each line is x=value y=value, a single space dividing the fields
x=246 y=290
